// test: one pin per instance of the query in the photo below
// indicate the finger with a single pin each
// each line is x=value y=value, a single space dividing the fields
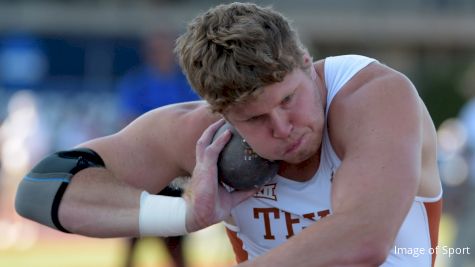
x=213 y=150
x=207 y=136
x=209 y=161
x=240 y=196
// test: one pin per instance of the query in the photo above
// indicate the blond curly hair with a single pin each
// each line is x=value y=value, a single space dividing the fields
x=231 y=51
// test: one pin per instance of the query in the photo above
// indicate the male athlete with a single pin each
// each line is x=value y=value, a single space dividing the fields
x=357 y=180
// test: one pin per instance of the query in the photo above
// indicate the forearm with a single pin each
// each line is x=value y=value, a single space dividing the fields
x=332 y=241
x=73 y=191
x=96 y=204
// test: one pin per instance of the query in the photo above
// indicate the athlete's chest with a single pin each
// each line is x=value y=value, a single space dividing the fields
x=284 y=208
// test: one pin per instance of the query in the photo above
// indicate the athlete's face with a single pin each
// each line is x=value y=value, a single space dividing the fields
x=285 y=121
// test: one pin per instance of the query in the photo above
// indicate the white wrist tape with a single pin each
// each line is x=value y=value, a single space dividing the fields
x=162 y=215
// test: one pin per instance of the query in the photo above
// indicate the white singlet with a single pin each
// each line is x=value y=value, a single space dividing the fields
x=285 y=207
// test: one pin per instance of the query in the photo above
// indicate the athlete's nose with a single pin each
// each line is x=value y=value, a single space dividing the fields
x=280 y=123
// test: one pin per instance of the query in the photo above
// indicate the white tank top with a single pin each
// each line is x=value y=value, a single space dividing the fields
x=284 y=207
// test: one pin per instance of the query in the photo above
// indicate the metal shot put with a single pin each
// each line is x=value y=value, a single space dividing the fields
x=239 y=166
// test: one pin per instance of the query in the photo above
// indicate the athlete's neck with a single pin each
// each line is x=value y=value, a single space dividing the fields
x=302 y=171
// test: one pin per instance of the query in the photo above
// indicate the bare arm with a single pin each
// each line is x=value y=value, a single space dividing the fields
x=146 y=155
x=376 y=130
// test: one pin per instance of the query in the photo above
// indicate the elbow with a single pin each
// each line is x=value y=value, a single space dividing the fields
x=372 y=252
x=38 y=201
x=372 y=255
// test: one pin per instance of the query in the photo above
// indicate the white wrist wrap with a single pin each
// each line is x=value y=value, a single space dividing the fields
x=162 y=215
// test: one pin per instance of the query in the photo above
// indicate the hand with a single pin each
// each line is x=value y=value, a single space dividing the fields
x=208 y=202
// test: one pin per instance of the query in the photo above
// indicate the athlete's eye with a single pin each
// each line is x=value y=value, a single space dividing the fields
x=255 y=118
x=287 y=99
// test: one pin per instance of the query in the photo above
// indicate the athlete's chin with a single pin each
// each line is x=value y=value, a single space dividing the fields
x=305 y=151
x=299 y=156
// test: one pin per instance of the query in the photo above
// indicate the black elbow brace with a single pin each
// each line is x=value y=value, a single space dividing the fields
x=41 y=190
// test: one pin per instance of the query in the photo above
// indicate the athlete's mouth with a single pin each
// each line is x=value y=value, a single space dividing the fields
x=294 y=146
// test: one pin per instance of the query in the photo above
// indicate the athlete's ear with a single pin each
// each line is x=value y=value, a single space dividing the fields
x=307 y=59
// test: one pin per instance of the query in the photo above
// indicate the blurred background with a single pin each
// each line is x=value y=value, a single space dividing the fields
x=72 y=70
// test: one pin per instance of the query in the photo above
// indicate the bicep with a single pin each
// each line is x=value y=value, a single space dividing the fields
x=141 y=154
x=381 y=154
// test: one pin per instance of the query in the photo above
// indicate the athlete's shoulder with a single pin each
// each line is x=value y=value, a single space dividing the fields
x=376 y=91
x=181 y=125
x=375 y=77
x=189 y=116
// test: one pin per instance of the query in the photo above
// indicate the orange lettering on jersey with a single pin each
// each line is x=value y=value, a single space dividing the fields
x=288 y=222
x=310 y=216
x=265 y=212
x=323 y=213
x=267 y=191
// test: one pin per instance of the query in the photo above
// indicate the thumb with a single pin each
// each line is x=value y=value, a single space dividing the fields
x=240 y=196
